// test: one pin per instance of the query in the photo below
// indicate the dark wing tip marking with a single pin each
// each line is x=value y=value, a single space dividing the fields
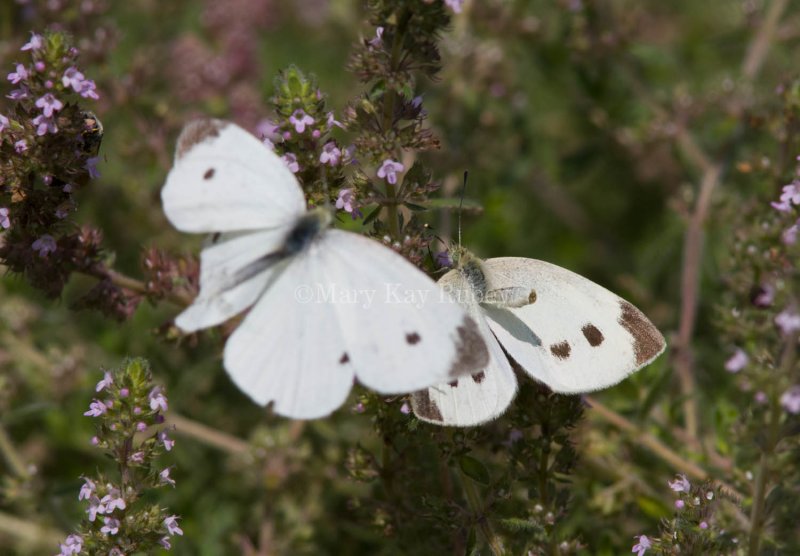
x=209 y=174
x=413 y=338
x=532 y=297
x=425 y=407
x=647 y=340
x=344 y=359
x=479 y=377
x=196 y=132
x=453 y=384
x=561 y=350
x=592 y=335
x=471 y=352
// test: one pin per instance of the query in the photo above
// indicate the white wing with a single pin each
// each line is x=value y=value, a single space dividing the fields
x=292 y=353
x=224 y=290
x=480 y=397
x=583 y=337
x=318 y=303
x=224 y=179
x=412 y=335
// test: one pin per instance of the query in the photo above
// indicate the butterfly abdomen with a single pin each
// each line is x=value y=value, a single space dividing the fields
x=473 y=272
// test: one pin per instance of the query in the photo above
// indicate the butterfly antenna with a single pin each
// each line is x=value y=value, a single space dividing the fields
x=461 y=205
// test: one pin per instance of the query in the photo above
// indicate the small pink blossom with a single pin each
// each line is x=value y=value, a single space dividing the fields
x=91 y=167
x=73 y=544
x=679 y=504
x=789 y=196
x=20 y=75
x=107 y=381
x=49 y=104
x=299 y=119
x=332 y=121
x=790 y=400
x=789 y=235
x=34 y=44
x=788 y=321
x=346 y=200
x=389 y=169
x=454 y=5
x=110 y=527
x=137 y=457
x=761 y=397
x=641 y=547
x=44 y=125
x=95 y=508
x=171 y=523
x=158 y=401
x=73 y=78
x=5 y=221
x=21 y=146
x=3 y=123
x=703 y=525
x=113 y=501
x=268 y=130
x=89 y=90
x=291 y=162
x=166 y=440
x=165 y=478
x=737 y=361
x=331 y=154
x=680 y=484
x=96 y=409
x=378 y=39
x=164 y=541
x=405 y=409
x=87 y=489
x=19 y=94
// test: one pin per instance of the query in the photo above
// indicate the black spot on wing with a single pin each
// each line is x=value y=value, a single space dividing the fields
x=592 y=335
x=453 y=384
x=413 y=338
x=479 y=377
x=196 y=132
x=425 y=407
x=344 y=359
x=209 y=174
x=561 y=350
x=471 y=352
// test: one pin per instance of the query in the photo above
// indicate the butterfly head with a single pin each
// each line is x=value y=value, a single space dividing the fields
x=307 y=228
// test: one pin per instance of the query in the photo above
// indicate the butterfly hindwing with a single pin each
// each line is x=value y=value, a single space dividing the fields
x=584 y=337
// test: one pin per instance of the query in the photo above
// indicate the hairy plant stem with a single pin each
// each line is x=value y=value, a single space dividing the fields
x=476 y=506
x=788 y=358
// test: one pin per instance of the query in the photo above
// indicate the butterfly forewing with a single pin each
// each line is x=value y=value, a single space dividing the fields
x=224 y=179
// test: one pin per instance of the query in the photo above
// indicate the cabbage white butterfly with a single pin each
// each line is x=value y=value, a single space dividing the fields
x=313 y=327
x=562 y=329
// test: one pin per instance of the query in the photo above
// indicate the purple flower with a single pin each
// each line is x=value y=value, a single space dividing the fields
x=378 y=40
x=91 y=167
x=137 y=457
x=113 y=500
x=171 y=523
x=96 y=409
x=89 y=89
x=165 y=478
x=760 y=397
x=5 y=221
x=443 y=259
x=39 y=66
x=359 y=408
x=641 y=547
x=21 y=146
x=49 y=104
x=454 y=5
x=87 y=489
x=789 y=235
x=111 y=526
x=405 y=409
x=107 y=381
x=95 y=441
x=788 y=321
x=291 y=162
x=95 y=507
x=267 y=130
x=331 y=121
x=790 y=196
x=44 y=125
x=124 y=392
x=763 y=296
x=679 y=504
x=346 y=200
x=73 y=544
x=680 y=484
x=389 y=170
x=3 y=123
x=158 y=401
x=168 y=443
x=19 y=94
x=703 y=525
x=73 y=78
x=331 y=154
x=20 y=75
x=164 y=541
x=141 y=426
x=34 y=44
x=790 y=400
x=299 y=119
x=44 y=245
x=737 y=361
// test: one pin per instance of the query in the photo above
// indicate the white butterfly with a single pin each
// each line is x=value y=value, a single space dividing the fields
x=562 y=329
x=299 y=347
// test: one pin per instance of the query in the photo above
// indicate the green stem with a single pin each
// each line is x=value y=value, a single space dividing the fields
x=476 y=505
x=773 y=425
x=11 y=455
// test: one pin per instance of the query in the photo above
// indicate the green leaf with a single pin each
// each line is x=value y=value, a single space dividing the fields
x=470 y=205
x=474 y=469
